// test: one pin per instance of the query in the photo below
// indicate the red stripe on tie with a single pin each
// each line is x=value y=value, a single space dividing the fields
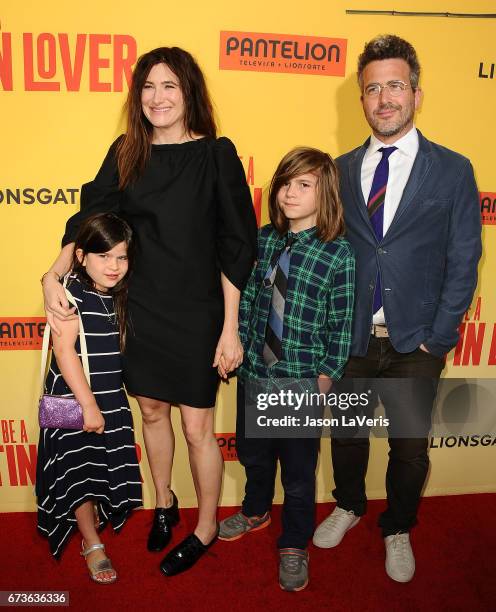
x=381 y=191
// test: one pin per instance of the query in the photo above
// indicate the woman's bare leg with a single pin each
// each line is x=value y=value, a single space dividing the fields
x=159 y=443
x=206 y=466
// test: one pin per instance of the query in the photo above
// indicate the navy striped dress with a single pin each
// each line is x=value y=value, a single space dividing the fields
x=78 y=466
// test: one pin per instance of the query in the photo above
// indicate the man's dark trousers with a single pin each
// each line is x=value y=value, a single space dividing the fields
x=408 y=402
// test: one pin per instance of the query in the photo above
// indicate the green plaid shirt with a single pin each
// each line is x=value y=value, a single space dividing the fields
x=318 y=311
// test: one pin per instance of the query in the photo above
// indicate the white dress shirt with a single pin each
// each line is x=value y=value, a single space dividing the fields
x=400 y=166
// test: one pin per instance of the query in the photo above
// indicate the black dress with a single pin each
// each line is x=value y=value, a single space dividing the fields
x=192 y=215
x=77 y=466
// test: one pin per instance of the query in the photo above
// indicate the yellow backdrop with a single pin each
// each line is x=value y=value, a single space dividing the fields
x=63 y=70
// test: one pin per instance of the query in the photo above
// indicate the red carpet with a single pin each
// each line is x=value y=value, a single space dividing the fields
x=454 y=545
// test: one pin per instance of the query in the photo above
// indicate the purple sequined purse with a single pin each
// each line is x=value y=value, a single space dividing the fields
x=61 y=412
x=57 y=411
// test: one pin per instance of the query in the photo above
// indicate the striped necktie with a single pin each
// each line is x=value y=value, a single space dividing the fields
x=277 y=276
x=375 y=206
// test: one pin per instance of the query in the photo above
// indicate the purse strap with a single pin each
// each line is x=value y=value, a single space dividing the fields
x=82 y=342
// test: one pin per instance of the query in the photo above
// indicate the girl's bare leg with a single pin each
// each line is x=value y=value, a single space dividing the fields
x=86 y=523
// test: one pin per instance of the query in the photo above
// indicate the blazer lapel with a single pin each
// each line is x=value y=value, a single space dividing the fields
x=420 y=169
x=355 y=175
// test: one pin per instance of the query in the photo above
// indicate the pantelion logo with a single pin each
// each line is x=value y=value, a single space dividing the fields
x=488 y=207
x=21 y=333
x=260 y=52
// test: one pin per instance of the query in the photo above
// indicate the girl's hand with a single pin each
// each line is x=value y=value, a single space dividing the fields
x=229 y=352
x=93 y=419
x=56 y=304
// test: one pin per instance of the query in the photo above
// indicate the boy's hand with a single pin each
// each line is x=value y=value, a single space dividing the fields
x=325 y=383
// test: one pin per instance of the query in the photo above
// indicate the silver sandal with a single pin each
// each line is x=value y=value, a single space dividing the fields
x=104 y=565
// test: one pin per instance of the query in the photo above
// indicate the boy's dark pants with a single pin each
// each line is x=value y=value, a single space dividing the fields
x=298 y=459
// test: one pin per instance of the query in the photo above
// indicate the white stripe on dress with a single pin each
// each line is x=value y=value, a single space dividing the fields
x=72 y=433
x=105 y=297
x=96 y=314
x=123 y=465
x=80 y=482
x=76 y=467
x=109 y=372
x=78 y=450
x=63 y=539
x=109 y=431
x=116 y=333
x=91 y=496
x=58 y=517
x=100 y=354
x=115 y=410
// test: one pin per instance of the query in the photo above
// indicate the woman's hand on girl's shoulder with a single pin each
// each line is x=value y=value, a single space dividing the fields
x=56 y=304
x=93 y=418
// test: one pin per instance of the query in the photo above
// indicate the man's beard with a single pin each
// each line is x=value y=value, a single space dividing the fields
x=392 y=127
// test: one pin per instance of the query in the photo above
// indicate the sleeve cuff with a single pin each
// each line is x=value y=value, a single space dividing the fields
x=335 y=372
x=438 y=350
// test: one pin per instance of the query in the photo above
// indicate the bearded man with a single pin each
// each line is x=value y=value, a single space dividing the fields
x=413 y=218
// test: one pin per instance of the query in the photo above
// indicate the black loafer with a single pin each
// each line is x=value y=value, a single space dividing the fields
x=163 y=521
x=184 y=555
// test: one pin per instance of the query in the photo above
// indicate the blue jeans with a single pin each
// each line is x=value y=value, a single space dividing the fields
x=298 y=459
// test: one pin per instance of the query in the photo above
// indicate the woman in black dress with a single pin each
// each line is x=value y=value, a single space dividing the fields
x=185 y=195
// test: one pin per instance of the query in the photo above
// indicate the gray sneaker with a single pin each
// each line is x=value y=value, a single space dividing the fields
x=293 y=569
x=237 y=525
x=400 y=562
x=333 y=529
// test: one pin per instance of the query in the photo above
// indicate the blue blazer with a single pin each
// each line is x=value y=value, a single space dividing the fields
x=427 y=259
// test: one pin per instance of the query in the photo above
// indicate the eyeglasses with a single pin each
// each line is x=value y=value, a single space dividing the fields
x=395 y=89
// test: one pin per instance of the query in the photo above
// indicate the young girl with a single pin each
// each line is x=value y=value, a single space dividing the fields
x=95 y=468
x=295 y=323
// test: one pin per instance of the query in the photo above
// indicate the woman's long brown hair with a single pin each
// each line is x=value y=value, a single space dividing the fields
x=134 y=148
x=304 y=160
x=99 y=234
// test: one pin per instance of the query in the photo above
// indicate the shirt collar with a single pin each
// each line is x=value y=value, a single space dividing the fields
x=407 y=144
x=304 y=235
